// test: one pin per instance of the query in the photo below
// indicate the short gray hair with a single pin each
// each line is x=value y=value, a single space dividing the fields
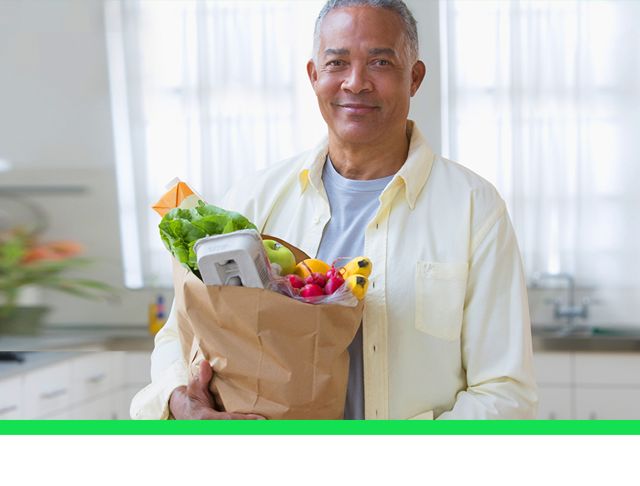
x=397 y=6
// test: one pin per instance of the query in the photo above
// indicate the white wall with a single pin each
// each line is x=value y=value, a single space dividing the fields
x=425 y=106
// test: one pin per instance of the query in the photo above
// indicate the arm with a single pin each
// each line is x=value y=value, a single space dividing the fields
x=168 y=372
x=496 y=332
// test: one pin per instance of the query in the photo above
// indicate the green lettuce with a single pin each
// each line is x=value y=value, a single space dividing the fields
x=181 y=228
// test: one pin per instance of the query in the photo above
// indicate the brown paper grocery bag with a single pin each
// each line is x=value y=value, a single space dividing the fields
x=271 y=354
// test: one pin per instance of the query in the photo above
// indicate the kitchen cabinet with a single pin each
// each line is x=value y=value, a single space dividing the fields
x=554 y=372
x=11 y=399
x=78 y=386
x=607 y=386
x=555 y=402
x=607 y=369
x=93 y=375
x=47 y=390
x=607 y=403
x=588 y=385
x=101 y=408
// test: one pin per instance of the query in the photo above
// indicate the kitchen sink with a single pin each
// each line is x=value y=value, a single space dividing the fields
x=585 y=330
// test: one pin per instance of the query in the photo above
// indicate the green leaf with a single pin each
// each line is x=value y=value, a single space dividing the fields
x=181 y=228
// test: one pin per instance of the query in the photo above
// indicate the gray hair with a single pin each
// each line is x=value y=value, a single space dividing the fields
x=397 y=6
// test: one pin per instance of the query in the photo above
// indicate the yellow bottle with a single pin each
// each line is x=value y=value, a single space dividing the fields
x=156 y=316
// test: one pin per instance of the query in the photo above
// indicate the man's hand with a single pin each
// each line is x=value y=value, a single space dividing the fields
x=195 y=401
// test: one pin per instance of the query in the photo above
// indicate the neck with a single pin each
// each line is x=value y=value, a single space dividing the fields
x=371 y=160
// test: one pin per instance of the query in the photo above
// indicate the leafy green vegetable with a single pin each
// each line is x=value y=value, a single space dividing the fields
x=181 y=228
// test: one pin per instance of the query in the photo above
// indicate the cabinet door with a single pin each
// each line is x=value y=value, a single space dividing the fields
x=553 y=367
x=101 y=408
x=61 y=415
x=137 y=368
x=11 y=399
x=607 y=369
x=554 y=403
x=92 y=375
x=612 y=403
x=47 y=391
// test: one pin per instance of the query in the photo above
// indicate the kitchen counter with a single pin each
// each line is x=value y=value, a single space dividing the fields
x=137 y=338
x=81 y=338
x=31 y=361
x=610 y=338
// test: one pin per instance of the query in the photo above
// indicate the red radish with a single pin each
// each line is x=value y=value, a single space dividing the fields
x=316 y=278
x=332 y=272
x=311 y=290
x=333 y=284
x=295 y=281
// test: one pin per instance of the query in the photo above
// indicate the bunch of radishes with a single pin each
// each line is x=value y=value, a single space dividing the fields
x=316 y=284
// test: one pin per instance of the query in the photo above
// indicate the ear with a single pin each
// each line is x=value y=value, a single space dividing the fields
x=418 y=72
x=312 y=72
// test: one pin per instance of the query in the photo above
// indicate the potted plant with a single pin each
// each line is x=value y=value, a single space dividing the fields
x=27 y=262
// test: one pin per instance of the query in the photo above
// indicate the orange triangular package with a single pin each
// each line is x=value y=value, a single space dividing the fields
x=172 y=198
x=271 y=354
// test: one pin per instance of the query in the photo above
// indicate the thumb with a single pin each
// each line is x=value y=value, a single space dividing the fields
x=205 y=373
x=199 y=385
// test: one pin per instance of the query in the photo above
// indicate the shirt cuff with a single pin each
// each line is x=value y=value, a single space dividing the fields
x=152 y=402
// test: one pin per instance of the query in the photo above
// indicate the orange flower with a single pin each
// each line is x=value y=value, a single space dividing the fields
x=53 y=251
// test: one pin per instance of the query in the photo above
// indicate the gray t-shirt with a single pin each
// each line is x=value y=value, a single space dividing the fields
x=353 y=204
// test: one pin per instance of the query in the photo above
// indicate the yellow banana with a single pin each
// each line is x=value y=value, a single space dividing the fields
x=358 y=285
x=358 y=266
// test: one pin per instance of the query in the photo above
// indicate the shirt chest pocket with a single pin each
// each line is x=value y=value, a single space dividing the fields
x=440 y=293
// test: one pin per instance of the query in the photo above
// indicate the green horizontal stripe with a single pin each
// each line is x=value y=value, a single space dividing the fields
x=309 y=427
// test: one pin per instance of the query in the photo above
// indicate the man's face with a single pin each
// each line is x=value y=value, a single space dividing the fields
x=362 y=76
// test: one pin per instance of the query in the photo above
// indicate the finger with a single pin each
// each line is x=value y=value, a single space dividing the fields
x=214 y=415
x=198 y=386
x=205 y=373
x=246 y=416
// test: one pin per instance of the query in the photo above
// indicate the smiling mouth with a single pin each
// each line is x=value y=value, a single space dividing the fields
x=356 y=108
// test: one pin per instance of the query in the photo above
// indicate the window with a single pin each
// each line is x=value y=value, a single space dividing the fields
x=207 y=92
x=542 y=98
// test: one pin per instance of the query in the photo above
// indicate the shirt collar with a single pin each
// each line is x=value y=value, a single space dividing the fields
x=412 y=175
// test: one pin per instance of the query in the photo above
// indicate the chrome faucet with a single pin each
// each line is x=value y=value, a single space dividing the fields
x=569 y=310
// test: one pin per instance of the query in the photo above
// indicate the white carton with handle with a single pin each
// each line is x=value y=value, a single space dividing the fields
x=236 y=258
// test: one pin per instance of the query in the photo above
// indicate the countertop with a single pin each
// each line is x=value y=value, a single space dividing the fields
x=59 y=343
x=81 y=338
x=137 y=338
x=586 y=338
x=31 y=361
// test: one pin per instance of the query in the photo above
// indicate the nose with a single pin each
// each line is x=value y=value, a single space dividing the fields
x=357 y=80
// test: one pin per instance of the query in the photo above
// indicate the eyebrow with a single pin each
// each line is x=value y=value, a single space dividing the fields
x=376 y=51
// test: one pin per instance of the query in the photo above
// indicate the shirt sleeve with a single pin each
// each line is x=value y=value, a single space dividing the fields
x=168 y=371
x=496 y=330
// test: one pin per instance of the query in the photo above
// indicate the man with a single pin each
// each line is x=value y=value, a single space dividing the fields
x=446 y=330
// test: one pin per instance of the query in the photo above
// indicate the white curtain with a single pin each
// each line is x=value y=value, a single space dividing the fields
x=543 y=99
x=207 y=91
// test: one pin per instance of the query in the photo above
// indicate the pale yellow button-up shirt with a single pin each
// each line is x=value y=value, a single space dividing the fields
x=446 y=323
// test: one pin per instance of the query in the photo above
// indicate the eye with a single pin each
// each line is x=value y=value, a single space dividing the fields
x=381 y=62
x=335 y=63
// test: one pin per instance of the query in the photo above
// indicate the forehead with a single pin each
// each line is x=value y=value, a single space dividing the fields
x=362 y=26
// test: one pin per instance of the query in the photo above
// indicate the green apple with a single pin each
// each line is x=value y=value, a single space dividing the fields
x=280 y=255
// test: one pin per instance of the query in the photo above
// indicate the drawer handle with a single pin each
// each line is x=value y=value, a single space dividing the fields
x=8 y=409
x=53 y=394
x=96 y=378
